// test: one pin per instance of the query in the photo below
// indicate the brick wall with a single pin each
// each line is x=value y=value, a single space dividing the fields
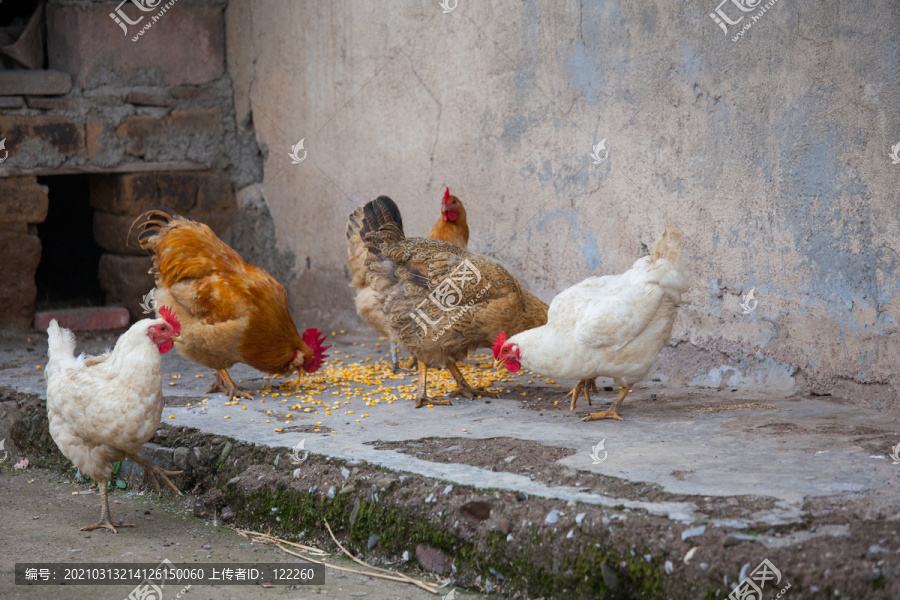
x=22 y=204
x=152 y=122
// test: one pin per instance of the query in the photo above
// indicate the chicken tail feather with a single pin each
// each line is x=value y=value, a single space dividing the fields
x=668 y=246
x=150 y=222
x=60 y=342
x=356 y=249
x=382 y=214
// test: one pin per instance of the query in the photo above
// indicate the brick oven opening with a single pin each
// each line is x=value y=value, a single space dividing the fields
x=70 y=258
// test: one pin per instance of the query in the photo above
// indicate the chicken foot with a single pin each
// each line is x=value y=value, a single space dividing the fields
x=225 y=384
x=154 y=474
x=613 y=412
x=421 y=397
x=462 y=386
x=105 y=522
x=584 y=384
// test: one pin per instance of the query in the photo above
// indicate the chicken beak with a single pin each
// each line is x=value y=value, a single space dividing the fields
x=498 y=363
x=177 y=339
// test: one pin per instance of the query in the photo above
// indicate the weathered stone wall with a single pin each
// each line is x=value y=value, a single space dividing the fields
x=23 y=202
x=151 y=120
x=770 y=152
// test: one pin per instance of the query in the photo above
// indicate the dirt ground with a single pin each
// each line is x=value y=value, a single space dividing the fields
x=41 y=522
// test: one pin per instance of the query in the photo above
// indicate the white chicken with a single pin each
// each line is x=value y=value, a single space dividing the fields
x=612 y=326
x=102 y=409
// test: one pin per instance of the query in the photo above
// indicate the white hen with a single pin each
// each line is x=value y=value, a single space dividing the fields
x=103 y=409
x=612 y=326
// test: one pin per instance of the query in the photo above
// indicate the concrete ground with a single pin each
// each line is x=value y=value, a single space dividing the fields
x=739 y=464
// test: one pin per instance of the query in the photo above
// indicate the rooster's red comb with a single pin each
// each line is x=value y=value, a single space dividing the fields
x=446 y=195
x=166 y=313
x=311 y=338
x=498 y=344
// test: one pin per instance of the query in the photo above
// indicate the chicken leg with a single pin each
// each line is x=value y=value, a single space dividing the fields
x=104 y=522
x=395 y=362
x=154 y=473
x=225 y=384
x=584 y=384
x=462 y=386
x=613 y=412
x=421 y=397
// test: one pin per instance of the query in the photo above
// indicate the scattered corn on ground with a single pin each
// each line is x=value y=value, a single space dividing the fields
x=344 y=387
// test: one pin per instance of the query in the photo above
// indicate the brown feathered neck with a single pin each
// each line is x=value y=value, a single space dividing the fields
x=271 y=340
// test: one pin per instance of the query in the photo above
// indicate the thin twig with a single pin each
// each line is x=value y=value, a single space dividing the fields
x=273 y=539
x=391 y=576
x=411 y=580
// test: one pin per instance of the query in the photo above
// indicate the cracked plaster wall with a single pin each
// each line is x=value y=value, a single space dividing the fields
x=770 y=153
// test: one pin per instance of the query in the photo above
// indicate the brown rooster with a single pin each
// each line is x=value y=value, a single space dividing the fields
x=451 y=227
x=230 y=311
x=441 y=301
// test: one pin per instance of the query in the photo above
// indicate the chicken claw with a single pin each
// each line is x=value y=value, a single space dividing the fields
x=107 y=525
x=154 y=474
x=426 y=401
x=462 y=386
x=225 y=384
x=584 y=384
x=613 y=412
x=609 y=414
x=104 y=522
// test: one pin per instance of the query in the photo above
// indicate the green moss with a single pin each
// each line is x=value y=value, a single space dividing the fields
x=400 y=530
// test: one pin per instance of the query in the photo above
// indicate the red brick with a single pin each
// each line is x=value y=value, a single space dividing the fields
x=111 y=233
x=188 y=193
x=188 y=92
x=22 y=200
x=41 y=103
x=185 y=127
x=85 y=42
x=21 y=254
x=89 y=318
x=34 y=83
x=53 y=133
x=126 y=279
x=93 y=130
x=12 y=102
x=150 y=98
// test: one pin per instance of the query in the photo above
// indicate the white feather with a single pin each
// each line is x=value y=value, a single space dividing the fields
x=612 y=326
